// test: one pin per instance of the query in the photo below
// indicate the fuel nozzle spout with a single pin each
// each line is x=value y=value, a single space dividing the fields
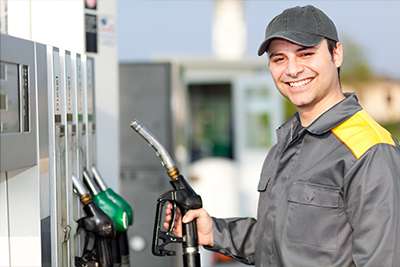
x=81 y=190
x=99 y=180
x=87 y=179
x=166 y=159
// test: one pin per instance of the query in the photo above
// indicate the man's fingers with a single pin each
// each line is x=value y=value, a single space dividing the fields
x=191 y=215
x=166 y=225
x=169 y=205
x=168 y=212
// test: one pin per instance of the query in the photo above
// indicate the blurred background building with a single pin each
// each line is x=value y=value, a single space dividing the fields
x=190 y=29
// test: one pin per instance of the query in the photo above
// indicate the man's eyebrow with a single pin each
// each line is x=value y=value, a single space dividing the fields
x=300 y=49
x=306 y=48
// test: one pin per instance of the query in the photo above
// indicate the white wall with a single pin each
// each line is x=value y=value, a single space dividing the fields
x=58 y=23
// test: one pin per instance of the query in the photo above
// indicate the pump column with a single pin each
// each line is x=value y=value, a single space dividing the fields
x=58 y=158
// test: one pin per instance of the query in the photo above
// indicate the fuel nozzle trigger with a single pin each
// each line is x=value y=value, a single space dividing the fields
x=162 y=238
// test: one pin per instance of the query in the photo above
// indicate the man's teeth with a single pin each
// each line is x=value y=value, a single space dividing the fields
x=300 y=83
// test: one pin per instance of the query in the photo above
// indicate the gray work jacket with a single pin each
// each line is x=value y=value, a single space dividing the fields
x=329 y=196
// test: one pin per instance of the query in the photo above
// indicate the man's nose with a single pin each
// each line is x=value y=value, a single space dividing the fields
x=293 y=68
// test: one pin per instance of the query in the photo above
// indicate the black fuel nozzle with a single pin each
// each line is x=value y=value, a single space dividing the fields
x=98 y=228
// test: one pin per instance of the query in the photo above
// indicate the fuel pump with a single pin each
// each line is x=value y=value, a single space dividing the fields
x=182 y=196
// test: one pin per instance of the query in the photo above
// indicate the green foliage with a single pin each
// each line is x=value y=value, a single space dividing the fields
x=289 y=109
x=358 y=74
x=393 y=128
x=355 y=69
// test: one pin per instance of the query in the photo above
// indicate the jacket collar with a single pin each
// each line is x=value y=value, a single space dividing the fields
x=335 y=115
x=327 y=120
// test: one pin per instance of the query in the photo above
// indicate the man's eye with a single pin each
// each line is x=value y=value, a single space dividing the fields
x=277 y=59
x=307 y=54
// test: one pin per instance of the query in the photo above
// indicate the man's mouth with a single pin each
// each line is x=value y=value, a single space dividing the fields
x=300 y=82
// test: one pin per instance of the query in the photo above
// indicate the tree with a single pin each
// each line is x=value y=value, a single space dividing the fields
x=355 y=69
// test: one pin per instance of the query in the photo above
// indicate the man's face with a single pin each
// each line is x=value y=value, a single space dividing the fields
x=305 y=75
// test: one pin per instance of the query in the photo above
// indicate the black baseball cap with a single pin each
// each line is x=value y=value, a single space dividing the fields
x=305 y=26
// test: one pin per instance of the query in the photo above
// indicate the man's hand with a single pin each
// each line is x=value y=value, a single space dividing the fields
x=204 y=224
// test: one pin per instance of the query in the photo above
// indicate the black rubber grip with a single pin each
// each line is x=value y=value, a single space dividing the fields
x=191 y=255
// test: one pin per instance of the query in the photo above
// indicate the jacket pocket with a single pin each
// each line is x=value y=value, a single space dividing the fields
x=268 y=170
x=263 y=183
x=314 y=215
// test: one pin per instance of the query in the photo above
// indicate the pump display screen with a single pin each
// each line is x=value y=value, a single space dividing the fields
x=14 y=99
x=9 y=98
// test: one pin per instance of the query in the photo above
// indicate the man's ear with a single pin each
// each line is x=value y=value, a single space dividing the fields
x=338 y=54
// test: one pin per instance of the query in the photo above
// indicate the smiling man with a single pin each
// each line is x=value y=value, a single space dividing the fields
x=330 y=188
x=307 y=76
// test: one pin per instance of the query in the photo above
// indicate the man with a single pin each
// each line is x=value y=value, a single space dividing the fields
x=330 y=188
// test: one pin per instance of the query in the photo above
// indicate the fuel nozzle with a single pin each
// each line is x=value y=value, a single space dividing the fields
x=124 y=205
x=113 y=211
x=183 y=196
x=98 y=228
x=112 y=195
x=95 y=221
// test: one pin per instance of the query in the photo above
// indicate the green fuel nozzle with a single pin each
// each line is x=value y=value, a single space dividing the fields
x=112 y=195
x=122 y=203
x=117 y=214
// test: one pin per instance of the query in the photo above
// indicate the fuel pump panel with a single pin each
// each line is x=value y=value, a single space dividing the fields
x=19 y=171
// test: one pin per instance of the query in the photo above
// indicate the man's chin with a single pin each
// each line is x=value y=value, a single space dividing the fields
x=300 y=103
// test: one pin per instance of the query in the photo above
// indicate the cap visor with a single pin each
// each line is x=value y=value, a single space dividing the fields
x=300 y=38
